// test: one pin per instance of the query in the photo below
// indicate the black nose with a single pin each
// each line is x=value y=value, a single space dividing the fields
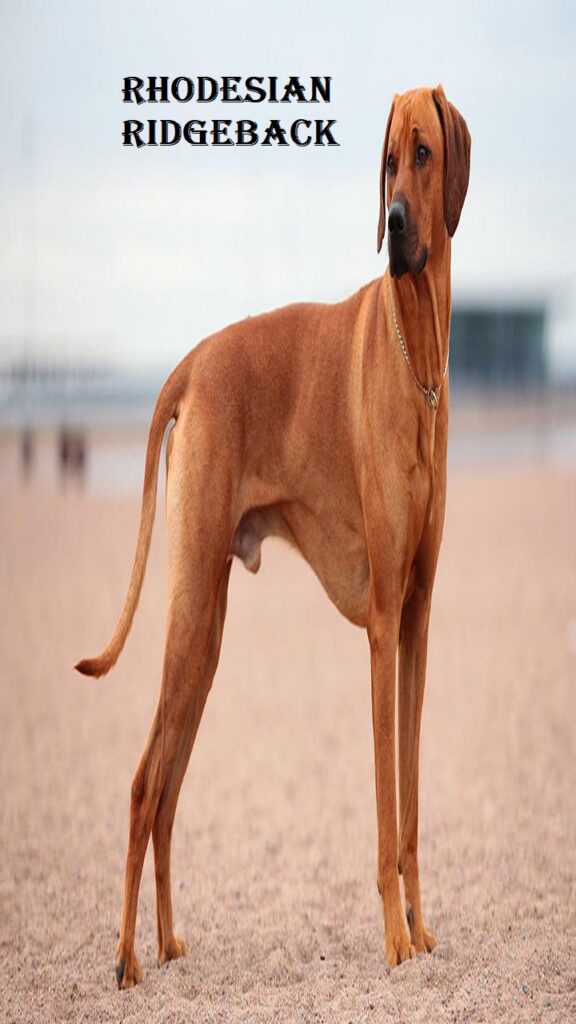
x=397 y=217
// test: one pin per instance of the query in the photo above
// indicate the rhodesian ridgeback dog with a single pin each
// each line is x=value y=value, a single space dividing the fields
x=325 y=424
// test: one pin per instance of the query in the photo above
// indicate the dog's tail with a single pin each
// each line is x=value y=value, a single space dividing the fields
x=166 y=409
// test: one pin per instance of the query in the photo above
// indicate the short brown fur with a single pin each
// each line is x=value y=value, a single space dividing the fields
x=306 y=423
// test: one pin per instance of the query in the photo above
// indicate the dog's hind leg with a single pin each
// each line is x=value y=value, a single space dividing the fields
x=200 y=526
x=169 y=946
x=412 y=672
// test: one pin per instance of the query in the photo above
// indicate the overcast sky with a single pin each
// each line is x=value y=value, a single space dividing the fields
x=138 y=254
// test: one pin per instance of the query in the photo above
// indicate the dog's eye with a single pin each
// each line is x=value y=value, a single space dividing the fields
x=422 y=154
x=390 y=164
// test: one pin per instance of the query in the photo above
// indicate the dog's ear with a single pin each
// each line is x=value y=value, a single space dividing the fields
x=382 y=217
x=456 y=158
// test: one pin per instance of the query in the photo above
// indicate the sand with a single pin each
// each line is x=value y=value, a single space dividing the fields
x=275 y=838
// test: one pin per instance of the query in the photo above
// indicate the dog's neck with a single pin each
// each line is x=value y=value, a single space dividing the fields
x=422 y=303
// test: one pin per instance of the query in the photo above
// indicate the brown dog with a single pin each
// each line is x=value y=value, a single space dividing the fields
x=326 y=425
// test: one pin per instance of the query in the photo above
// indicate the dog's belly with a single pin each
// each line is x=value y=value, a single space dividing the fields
x=333 y=547
x=337 y=554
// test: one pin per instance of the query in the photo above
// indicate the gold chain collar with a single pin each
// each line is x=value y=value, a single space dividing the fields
x=431 y=394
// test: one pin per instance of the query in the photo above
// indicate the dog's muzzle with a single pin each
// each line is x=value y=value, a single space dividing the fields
x=397 y=216
x=403 y=241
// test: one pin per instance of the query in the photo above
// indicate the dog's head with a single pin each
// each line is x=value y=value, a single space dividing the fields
x=423 y=177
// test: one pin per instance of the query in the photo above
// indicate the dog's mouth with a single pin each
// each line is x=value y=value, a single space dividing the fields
x=404 y=259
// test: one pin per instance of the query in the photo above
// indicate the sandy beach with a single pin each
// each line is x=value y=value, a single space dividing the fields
x=274 y=852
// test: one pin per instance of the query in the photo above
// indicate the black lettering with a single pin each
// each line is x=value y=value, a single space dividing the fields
x=220 y=133
x=230 y=89
x=152 y=133
x=162 y=88
x=131 y=91
x=131 y=133
x=244 y=129
x=294 y=88
x=165 y=139
x=176 y=89
x=253 y=87
x=195 y=133
x=320 y=86
x=295 y=136
x=274 y=133
x=324 y=130
x=272 y=92
x=205 y=83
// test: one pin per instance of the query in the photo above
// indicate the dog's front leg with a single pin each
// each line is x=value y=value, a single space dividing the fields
x=383 y=636
x=412 y=673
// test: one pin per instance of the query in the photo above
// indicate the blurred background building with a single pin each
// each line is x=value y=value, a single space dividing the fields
x=499 y=344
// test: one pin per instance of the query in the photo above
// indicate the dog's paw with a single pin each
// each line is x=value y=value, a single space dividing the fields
x=429 y=940
x=423 y=940
x=399 y=948
x=128 y=971
x=172 y=950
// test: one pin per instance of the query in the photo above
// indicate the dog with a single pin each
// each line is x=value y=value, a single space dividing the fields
x=324 y=424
